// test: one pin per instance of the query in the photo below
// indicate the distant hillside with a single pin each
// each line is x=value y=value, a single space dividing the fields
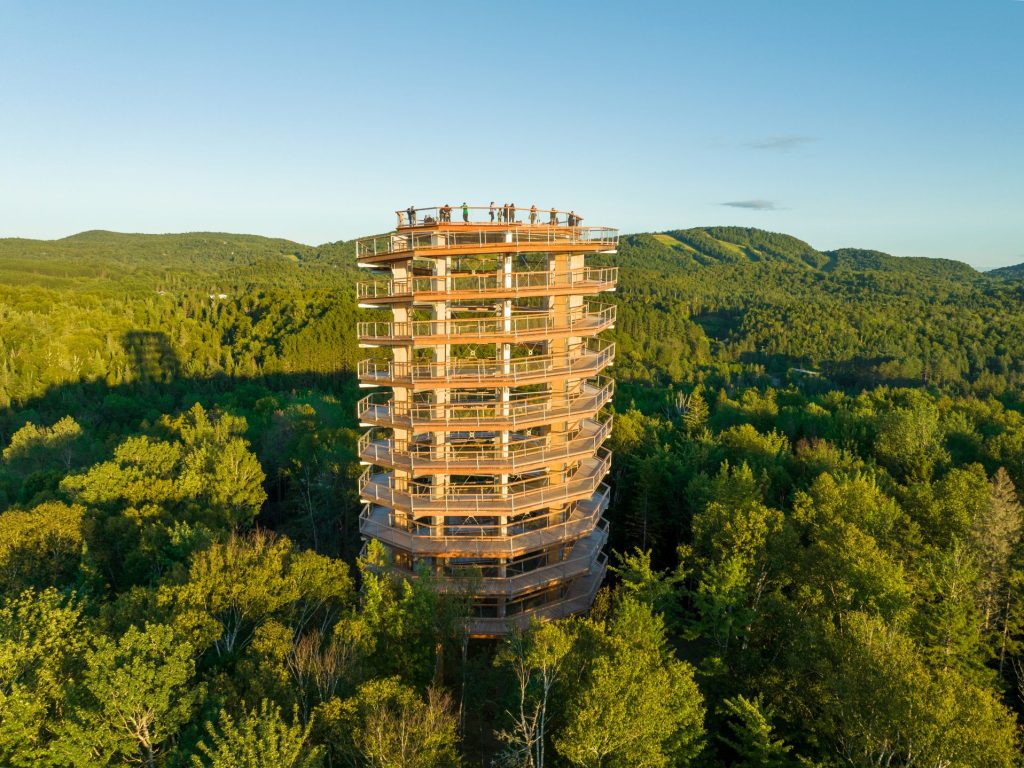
x=120 y=261
x=221 y=304
x=1016 y=272
x=708 y=246
x=857 y=259
x=738 y=296
x=693 y=303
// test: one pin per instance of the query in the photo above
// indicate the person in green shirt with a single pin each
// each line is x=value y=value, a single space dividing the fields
x=465 y=212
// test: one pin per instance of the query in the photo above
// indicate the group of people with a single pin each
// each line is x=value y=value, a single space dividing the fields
x=505 y=214
x=444 y=213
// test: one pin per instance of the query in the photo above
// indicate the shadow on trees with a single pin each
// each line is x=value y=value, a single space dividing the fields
x=151 y=356
x=719 y=324
x=110 y=413
x=814 y=377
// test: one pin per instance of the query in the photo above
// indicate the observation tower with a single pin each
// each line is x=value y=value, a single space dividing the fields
x=484 y=461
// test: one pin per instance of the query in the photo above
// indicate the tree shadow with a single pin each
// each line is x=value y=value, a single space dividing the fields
x=814 y=377
x=109 y=413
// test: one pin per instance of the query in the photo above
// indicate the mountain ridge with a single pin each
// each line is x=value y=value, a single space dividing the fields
x=676 y=248
x=1012 y=272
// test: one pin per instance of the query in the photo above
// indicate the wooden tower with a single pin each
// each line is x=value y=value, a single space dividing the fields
x=485 y=458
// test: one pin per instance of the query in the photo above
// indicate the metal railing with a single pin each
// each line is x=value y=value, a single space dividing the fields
x=400 y=493
x=585 y=359
x=484 y=581
x=503 y=213
x=515 y=455
x=588 y=279
x=380 y=409
x=512 y=237
x=593 y=317
x=579 y=597
x=461 y=538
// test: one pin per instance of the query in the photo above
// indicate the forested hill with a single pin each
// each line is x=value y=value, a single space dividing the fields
x=73 y=309
x=708 y=246
x=1016 y=272
x=706 y=299
x=146 y=262
x=814 y=521
x=860 y=317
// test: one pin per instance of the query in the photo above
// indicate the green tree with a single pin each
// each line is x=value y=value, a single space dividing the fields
x=135 y=694
x=695 y=411
x=995 y=534
x=752 y=736
x=201 y=481
x=948 y=621
x=40 y=547
x=260 y=739
x=910 y=438
x=658 y=589
x=247 y=580
x=637 y=705
x=883 y=706
x=536 y=659
x=412 y=621
x=839 y=565
x=732 y=565
x=387 y=725
x=41 y=447
x=42 y=644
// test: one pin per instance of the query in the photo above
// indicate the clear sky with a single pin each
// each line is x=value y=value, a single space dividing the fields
x=888 y=124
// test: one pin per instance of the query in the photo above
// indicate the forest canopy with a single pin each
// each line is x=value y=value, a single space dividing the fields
x=816 y=521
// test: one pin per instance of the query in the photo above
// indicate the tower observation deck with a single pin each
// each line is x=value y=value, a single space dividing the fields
x=484 y=460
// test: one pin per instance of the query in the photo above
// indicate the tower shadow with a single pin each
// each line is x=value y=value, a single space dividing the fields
x=152 y=359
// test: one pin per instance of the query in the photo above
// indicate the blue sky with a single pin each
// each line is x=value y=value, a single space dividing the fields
x=890 y=125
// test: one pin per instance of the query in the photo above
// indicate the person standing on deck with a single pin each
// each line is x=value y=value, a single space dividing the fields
x=465 y=213
x=492 y=211
x=533 y=214
x=554 y=217
x=512 y=212
x=411 y=213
